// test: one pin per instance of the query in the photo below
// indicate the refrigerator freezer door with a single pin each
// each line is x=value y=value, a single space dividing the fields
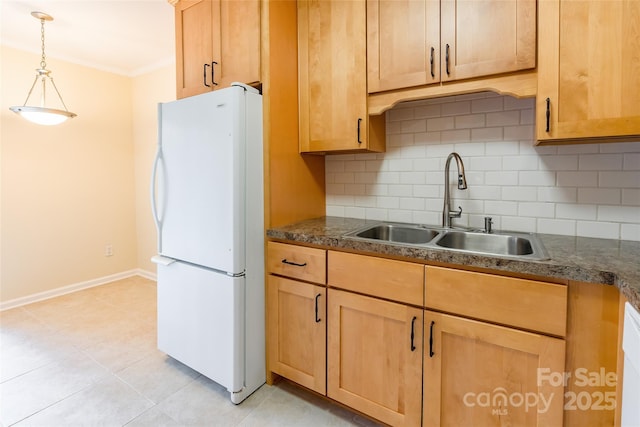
x=201 y=321
x=201 y=182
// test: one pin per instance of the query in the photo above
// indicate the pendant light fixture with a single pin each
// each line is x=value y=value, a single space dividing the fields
x=43 y=115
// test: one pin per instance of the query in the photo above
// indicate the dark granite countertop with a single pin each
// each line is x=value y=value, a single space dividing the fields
x=606 y=261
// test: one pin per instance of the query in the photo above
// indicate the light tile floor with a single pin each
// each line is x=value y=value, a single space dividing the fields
x=89 y=359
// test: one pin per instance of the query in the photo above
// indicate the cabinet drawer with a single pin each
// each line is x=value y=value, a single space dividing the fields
x=527 y=304
x=298 y=262
x=395 y=280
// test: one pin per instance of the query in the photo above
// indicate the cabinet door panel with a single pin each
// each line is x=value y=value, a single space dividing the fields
x=194 y=46
x=297 y=332
x=238 y=35
x=372 y=365
x=332 y=75
x=403 y=37
x=487 y=37
x=593 y=92
x=481 y=374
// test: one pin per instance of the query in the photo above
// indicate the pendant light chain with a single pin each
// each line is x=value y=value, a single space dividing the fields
x=43 y=63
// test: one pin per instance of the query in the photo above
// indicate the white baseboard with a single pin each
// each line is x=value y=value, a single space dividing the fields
x=17 y=302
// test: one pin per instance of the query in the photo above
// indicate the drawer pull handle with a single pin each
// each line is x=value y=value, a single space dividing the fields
x=413 y=321
x=431 y=353
x=317 y=318
x=284 y=261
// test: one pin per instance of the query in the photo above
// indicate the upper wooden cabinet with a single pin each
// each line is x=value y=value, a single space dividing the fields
x=403 y=42
x=413 y=43
x=332 y=77
x=589 y=71
x=217 y=43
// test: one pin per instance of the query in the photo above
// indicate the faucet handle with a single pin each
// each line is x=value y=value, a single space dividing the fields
x=456 y=214
x=488 y=222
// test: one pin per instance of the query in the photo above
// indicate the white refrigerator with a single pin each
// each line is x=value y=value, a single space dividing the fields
x=207 y=203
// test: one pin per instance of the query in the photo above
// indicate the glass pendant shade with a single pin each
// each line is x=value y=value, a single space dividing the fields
x=42 y=114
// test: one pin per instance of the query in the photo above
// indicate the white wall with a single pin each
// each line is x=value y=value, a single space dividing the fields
x=67 y=190
x=585 y=190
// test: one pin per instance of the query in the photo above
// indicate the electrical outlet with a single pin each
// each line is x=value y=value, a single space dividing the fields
x=108 y=250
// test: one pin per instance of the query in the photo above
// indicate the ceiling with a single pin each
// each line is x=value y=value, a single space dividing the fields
x=127 y=37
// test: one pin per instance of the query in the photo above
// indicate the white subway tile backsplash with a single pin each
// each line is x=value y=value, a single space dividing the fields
x=487 y=104
x=440 y=124
x=537 y=178
x=577 y=179
x=600 y=162
x=413 y=126
x=619 y=213
x=517 y=223
x=602 y=230
x=456 y=108
x=559 y=163
x=529 y=194
x=576 y=211
x=537 y=209
x=455 y=136
x=503 y=118
x=501 y=178
x=620 y=179
x=630 y=197
x=608 y=196
x=556 y=226
x=557 y=194
x=588 y=190
x=470 y=121
x=487 y=134
x=630 y=232
x=631 y=161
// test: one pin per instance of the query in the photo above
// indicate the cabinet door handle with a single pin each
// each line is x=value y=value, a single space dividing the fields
x=413 y=321
x=317 y=318
x=359 y=122
x=446 y=59
x=431 y=61
x=284 y=261
x=204 y=75
x=431 y=353
x=213 y=73
x=548 y=114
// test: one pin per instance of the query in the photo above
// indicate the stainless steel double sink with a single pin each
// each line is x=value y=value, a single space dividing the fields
x=503 y=244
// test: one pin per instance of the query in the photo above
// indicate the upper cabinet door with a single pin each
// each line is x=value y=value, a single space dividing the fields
x=403 y=43
x=217 y=43
x=332 y=77
x=238 y=56
x=589 y=71
x=194 y=47
x=483 y=37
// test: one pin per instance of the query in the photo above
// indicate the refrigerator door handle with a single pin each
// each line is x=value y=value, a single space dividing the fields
x=156 y=162
x=162 y=260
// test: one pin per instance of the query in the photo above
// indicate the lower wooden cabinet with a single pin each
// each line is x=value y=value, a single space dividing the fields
x=375 y=357
x=479 y=374
x=297 y=331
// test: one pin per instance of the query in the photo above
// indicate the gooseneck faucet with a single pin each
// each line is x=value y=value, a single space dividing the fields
x=462 y=185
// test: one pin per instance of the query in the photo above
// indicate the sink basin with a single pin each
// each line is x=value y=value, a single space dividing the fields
x=398 y=233
x=497 y=244
x=502 y=244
